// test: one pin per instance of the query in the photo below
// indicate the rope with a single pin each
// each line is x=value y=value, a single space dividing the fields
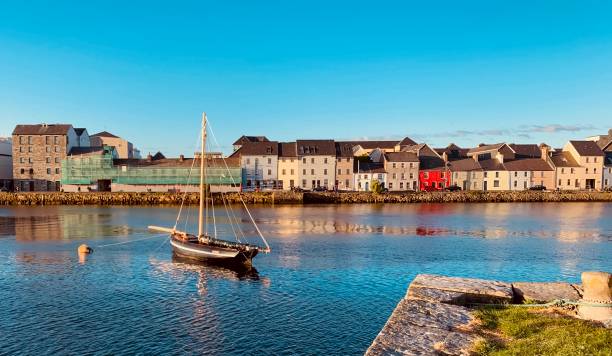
x=554 y=303
x=127 y=242
x=186 y=184
x=240 y=195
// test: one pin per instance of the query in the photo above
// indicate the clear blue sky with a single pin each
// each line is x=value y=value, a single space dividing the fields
x=440 y=72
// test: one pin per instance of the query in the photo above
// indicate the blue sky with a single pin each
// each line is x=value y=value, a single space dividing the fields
x=439 y=72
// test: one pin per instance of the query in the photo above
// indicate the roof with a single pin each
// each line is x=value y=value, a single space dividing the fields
x=485 y=148
x=244 y=139
x=563 y=159
x=177 y=162
x=407 y=141
x=526 y=150
x=86 y=151
x=42 y=129
x=492 y=165
x=431 y=162
x=158 y=156
x=344 y=149
x=79 y=131
x=259 y=148
x=463 y=165
x=104 y=134
x=528 y=164
x=401 y=157
x=371 y=167
x=287 y=149
x=453 y=152
x=370 y=145
x=587 y=148
x=316 y=147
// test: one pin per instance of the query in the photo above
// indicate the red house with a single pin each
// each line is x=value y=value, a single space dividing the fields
x=435 y=178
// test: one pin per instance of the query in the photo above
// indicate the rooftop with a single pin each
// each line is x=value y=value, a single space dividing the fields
x=401 y=157
x=316 y=147
x=42 y=129
x=526 y=150
x=104 y=134
x=528 y=164
x=563 y=159
x=244 y=139
x=463 y=165
x=587 y=148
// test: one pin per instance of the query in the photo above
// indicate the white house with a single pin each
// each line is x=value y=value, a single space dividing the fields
x=259 y=163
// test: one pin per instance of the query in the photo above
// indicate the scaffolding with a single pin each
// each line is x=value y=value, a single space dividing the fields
x=87 y=170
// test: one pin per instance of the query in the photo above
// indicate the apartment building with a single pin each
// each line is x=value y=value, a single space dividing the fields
x=288 y=166
x=259 y=162
x=433 y=170
x=402 y=169
x=124 y=148
x=344 y=166
x=38 y=151
x=591 y=159
x=6 y=164
x=317 y=163
x=566 y=171
x=529 y=172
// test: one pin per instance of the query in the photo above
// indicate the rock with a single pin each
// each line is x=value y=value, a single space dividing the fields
x=597 y=290
x=544 y=292
x=419 y=327
x=460 y=290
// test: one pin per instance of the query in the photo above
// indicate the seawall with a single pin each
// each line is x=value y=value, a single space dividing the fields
x=285 y=197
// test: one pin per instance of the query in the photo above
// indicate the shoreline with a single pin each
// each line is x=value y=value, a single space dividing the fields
x=294 y=198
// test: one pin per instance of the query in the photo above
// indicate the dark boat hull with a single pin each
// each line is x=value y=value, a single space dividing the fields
x=192 y=249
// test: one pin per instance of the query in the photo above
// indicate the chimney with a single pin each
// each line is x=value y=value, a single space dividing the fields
x=181 y=158
x=544 y=151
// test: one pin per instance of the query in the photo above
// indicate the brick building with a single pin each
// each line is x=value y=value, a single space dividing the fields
x=38 y=151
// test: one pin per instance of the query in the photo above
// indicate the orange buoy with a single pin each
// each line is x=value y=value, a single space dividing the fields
x=84 y=249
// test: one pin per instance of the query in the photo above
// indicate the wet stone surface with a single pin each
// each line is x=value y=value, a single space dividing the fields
x=544 y=292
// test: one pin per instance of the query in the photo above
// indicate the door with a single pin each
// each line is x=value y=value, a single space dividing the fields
x=485 y=185
x=31 y=184
x=104 y=185
x=367 y=186
x=464 y=187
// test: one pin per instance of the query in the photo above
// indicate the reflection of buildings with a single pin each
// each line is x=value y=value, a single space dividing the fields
x=38 y=228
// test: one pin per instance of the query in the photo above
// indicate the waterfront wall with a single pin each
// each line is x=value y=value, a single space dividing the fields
x=287 y=197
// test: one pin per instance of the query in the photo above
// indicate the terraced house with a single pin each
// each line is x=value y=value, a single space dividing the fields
x=344 y=166
x=288 y=165
x=402 y=169
x=591 y=160
x=316 y=164
x=259 y=162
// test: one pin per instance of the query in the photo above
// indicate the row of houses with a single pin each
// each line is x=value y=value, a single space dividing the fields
x=60 y=157
x=406 y=165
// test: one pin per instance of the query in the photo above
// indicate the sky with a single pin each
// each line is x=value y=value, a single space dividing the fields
x=459 y=71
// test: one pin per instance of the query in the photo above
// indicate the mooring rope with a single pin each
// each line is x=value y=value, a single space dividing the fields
x=127 y=242
x=554 y=303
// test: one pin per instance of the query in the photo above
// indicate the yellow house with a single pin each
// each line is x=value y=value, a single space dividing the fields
x=316 y=164
x=288 y=166
x=467 y=174
x=566 y=171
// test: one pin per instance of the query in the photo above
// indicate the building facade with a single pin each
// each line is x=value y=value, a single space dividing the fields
x=6 y=164
x=259 y=162
x=402 y=170
x=124 y=148
x=367 y=175
x=316 y=164
x=345 y=163
x=466 y=174
x=288 y=166
x=590 y=157
x=38 y=151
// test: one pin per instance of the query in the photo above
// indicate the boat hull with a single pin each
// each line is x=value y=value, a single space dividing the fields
x=213 y=254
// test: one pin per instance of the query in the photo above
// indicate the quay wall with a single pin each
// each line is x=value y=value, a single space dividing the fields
x=286 y=197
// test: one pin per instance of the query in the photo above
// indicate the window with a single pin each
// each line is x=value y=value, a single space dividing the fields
x=269 y=172
x=394 y=165
x=365 y=176
x=559 y=182
x=312 y=160
x=304 y=160
x=443 y=175
x=284 y=171
x=515 y=174
x=256 y=161
x=525 y=174
x=48 y=170
x=31 y=170
x=380 y=176
x=587 y=160
x=48 y=149
x=572 y=170
x=57 y=160
x=569 y=183
x=425 y=175
x=485 y=174
x=22 y=140
x=325 y=160
x=541 y=174
x=402 y=165
x=339 y=171
x=390 y=185
x=346 y=183
x=515 y=183
x=248 y=161
x=402 y=177
x=496 y=174
x=30 y=149
x=325 y=171
x=562 y=170
x=401 y=185
x=48 y=140
x=595 y=170
x=291 y=171
x=525 y=185
x=496 y=183
x=440 y=185
x=394 y=176
x=595 y=159
x=21 y=160
x=30 y=140
x=587 y=171
x=48 y=159
x=22 y=171
x=21 y=149
x=31 y=160
x=325 y=182
x=303 y=183
x=303 y=171
x=411 y=166
x=56 y=140
x=359 y=185
x=348 y=159
x=269 y=160
x=411 y=175
x=312 y=172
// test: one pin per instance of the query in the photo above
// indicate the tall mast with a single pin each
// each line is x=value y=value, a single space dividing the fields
x=202 y=183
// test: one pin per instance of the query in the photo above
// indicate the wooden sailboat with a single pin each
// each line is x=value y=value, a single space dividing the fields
x=206 y=247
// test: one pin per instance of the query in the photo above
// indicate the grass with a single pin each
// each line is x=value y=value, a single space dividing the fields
x=531 y=331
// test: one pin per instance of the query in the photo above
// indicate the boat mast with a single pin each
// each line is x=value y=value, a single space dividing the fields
x=202 y=185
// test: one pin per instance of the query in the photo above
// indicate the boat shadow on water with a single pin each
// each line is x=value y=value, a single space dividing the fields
x=218 y=268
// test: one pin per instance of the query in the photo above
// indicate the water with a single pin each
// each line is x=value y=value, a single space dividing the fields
x=335 y=274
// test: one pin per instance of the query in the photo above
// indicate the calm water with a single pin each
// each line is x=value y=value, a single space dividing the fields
x=333 y=278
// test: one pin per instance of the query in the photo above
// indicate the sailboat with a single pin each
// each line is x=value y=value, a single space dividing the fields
x=207 y=247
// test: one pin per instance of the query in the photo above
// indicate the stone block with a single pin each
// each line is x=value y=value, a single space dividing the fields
x=473 y=290
x=544 y=292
